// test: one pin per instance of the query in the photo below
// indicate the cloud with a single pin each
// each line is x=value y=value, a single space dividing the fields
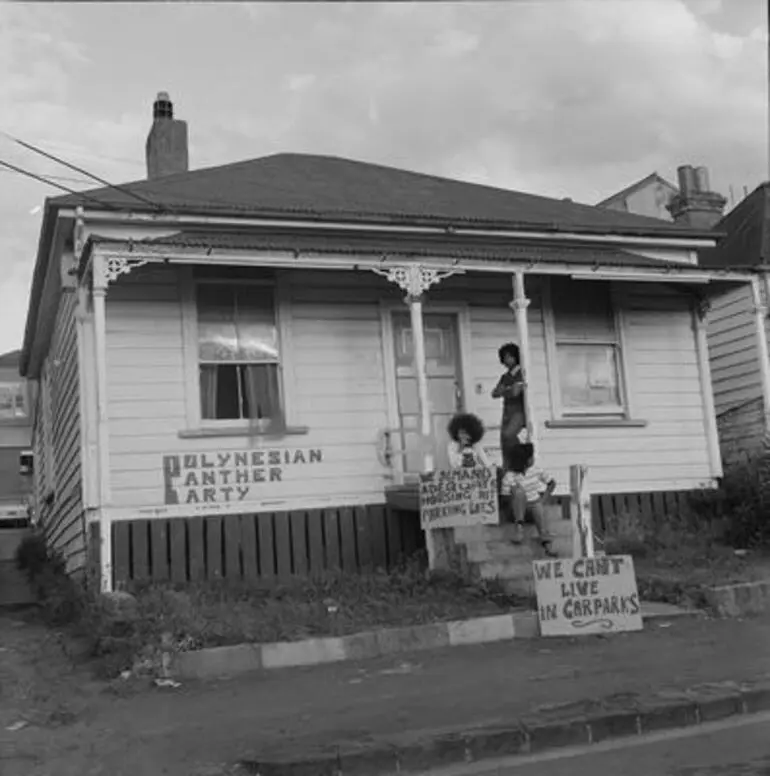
x=574 y=98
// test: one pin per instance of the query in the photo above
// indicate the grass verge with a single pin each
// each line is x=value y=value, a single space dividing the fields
x=127 y=632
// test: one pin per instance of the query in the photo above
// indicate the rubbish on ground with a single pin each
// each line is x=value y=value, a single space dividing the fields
x=167 y=683
x=20 y=725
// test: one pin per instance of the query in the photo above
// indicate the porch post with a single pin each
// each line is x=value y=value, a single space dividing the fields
x=99 y=290
x=704 y=368
x=415 y=280
x=421 y=373
x=519 y=306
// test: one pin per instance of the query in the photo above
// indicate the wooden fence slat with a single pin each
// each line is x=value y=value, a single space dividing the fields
x=395 y=546
x=197 y=554
x=159 y=549
x=348 y=539
x=658 y=508
x=379 y=540
x=140 y=541
x=647 y=511
x=282 y=545
x=249 y=547
x=178 y=531
x=672 y=507
x=331 y=524
x=297 y=525
x=315 y=541
x=364 y=538
x=266 y=539
x=231 y=526
x=121 y=552
x=411 y=532
x=603 y=514
x=213 y=540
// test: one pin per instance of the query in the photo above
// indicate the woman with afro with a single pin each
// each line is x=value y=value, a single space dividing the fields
x=465 y=451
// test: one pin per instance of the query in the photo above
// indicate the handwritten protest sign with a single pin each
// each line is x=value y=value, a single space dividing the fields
x=459 y=497
x=587 y=595
x=224 y=476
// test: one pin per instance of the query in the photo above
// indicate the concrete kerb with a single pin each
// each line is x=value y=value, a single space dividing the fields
x=223 y=662
x=522 y=737
x=739 y=600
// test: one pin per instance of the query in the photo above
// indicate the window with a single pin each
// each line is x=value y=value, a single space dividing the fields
x=13 y=400
x=238 y=353
x=586 y=348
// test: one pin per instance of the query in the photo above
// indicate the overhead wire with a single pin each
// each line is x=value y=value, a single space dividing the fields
x=82 y=171
x=50 y=182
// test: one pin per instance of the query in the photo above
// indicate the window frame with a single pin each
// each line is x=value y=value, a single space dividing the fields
x=196 y=424
x=621 y=412
x=26 y=418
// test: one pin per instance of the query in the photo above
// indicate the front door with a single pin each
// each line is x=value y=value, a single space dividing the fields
x=442 y=356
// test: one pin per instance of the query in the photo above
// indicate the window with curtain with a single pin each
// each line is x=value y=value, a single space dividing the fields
x=238 y=353
x=587 y=347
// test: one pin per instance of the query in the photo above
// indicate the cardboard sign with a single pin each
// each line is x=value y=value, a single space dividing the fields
x=459 y=497
x=587 y=595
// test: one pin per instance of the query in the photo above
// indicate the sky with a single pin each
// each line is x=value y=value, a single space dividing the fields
x=565 y=98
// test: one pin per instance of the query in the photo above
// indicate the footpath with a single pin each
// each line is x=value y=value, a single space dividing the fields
x=295 y=721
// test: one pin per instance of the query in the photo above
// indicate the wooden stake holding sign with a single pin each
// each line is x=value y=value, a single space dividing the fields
x=586 y=594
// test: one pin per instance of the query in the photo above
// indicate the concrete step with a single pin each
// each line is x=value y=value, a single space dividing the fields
x=508 y=568
x=479 y=551
x=14 y=588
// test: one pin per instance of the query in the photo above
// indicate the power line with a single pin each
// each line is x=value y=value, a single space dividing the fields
x=74 y=167
x=34 y=176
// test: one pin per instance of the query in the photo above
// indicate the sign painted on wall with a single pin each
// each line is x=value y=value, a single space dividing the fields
x=459 y=497
x=587 y=595
x=225 y=476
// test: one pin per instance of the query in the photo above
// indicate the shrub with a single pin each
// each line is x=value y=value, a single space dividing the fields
x=61 y=599
x=736 y=509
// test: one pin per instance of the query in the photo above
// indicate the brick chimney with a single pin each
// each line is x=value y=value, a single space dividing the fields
x=696 y=205
x=166 y=147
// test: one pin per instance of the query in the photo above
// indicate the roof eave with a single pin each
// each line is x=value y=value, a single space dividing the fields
x=49 y=225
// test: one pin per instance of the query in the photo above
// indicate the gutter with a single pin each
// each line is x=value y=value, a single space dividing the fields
x=687 y=240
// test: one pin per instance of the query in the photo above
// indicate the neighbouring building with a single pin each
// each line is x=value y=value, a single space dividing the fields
x=650 y=196
x=737 y=320
x=244 y=368
x=738 y=327
x=16 y=401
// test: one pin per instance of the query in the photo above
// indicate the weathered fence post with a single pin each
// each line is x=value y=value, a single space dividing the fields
x=580 y=512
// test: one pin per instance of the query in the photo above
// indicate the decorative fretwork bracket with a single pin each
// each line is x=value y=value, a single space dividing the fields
x=414 y=279
x=115 y=266
x=107 y=269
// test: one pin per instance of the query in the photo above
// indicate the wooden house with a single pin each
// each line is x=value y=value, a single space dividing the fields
x=243 y=368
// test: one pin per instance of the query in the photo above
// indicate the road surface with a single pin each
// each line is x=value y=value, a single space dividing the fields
x=738 y=747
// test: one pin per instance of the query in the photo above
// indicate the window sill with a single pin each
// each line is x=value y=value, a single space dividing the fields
x=275 y=433
x=595 y=422
x=15 y=422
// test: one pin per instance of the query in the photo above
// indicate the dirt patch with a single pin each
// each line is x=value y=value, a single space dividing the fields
x=202 y=728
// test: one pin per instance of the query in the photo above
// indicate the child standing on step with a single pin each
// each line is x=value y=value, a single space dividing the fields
x=465 y=451
x=528 y=489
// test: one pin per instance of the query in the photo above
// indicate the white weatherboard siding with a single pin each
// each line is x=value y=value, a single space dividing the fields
x=58 y=467
x=338 y=387
x=735 y=372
